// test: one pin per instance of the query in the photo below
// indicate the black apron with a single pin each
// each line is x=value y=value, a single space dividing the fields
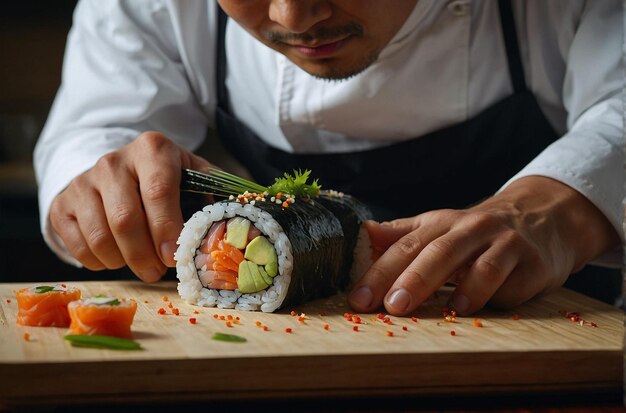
x=455 y=167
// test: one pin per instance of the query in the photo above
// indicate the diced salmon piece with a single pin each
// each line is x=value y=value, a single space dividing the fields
x=102 y=319
x=45 y=309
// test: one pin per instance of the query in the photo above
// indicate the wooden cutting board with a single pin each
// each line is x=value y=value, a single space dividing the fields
x=534 y=348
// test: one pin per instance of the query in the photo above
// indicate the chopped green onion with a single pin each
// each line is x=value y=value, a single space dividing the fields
x=229 y=337
x=43 y=289
x=114 y=343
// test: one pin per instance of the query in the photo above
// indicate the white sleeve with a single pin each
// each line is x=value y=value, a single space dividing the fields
x=590 y=156
x=123 y=73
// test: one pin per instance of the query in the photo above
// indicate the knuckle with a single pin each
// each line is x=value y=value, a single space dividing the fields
x=417 y=280
x=442 y=248
x=489 y=270
x=159 y=190
x=152 y=141
x=377 y=275
x=407 y=245
x=122 y=219
x=109 y=163
x=98 y=239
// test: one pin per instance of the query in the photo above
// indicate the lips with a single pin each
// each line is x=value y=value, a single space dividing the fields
x=322 y=51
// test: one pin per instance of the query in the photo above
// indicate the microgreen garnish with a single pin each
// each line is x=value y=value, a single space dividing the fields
x=114 y=343
x=296 y=185
x=43 y=289
x=225 y=184
x=229 y=337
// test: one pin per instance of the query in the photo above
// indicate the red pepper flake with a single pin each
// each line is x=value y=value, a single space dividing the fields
x=389 y=333
x=444 y=311
x=356 y=319
x=215 y=316
x=258 y=323
x=229 y=317
x=301 y=319
x=266 y=328
x=170 y=305
x=196 y=312
x=355 y=328
x=346 y=315
x=165 y=298
x=326 y=327
x=192 y=320
x=322 y=314
x=237 y=318
x=161 y=311
x=235 y=321
x=452 y=333
x=63 y=285
x=450 y=319
x=175 y=311
x=145 y=301
x=288 y=330
x=222 y=318
x=593 y=324
x=293 y=313
x=26 y=337
x=349 y=318
x=380 y=316
x=229 y=324
x=516 y=316
x=8 y=301
x=405 y=328
x=414 y=319
x=285 y=204
x=477 y=323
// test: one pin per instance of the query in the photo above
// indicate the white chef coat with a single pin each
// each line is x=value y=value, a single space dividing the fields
x=132 y=66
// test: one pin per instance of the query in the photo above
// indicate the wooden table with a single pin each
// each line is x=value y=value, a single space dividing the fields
x=534 y=350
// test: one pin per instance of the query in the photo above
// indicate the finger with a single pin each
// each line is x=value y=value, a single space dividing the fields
x=383 y=235
x=160 y=194
x=66 y=227
x=431 y=269
x=93 y=225
x=525 y=282
x=370 y=290
x=485 y=276
x=126 y=218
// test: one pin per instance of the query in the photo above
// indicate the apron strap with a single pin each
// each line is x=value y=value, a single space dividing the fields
x=513 y=56
x=220 y=56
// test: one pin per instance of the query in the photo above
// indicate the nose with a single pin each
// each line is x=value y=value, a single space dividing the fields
x=298 y=16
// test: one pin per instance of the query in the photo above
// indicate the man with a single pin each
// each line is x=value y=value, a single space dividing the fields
x=416 y=109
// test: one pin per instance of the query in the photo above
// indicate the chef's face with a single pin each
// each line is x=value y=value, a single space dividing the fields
x=332 y=39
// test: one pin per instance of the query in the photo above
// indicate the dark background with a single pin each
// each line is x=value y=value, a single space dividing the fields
x=32 y=42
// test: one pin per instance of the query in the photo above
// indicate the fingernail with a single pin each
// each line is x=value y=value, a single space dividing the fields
x=460 y=303
x=362 y=297
x=168 y=249
x=400 y=300
x=151 y=275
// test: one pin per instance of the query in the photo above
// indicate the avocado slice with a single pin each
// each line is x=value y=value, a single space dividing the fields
x=260 y=251
x=259 y=282
x=245 y=282
x=237 y=232
x=267 y=278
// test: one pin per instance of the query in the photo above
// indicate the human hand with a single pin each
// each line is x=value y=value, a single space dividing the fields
x=519 y=243
x=126 y=209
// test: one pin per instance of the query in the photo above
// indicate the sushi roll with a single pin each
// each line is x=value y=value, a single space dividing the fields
x=271 y=249
x=102 y=316
x=45 y=305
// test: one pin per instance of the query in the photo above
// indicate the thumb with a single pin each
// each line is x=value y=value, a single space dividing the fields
x=383 y=235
